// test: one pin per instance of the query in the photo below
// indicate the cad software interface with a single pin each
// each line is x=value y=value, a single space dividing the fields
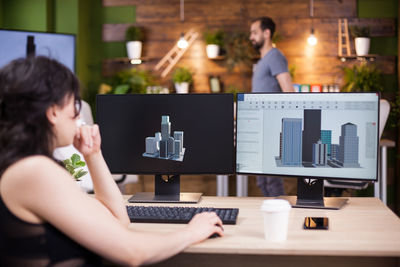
x=167 y=134
x=315 y=135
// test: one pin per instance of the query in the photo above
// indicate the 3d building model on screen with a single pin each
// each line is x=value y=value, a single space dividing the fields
x=312 y=146
x=163 y=145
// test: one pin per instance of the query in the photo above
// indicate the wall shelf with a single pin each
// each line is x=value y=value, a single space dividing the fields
x=221 y=57
x=131 y=61
x=359 y=58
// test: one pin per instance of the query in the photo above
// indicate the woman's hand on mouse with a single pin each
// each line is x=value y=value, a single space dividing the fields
x=203 y=225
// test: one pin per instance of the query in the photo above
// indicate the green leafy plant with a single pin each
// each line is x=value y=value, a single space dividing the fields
x=292 y=71
x=394 y=115
x=74 y=166
x=239 y=51
x=182 y=74
x=232 y=89
x=133 y=33
x=359 y=31
x=362 y=78
x=132 y=81
x=277 y=38
x=214 y=37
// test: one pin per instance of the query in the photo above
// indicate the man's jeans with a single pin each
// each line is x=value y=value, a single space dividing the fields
x=270 y=186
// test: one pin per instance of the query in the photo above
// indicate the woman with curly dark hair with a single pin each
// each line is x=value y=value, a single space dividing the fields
x=45 y=219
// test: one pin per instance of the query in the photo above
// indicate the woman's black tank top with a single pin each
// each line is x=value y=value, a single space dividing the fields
x=29 y=244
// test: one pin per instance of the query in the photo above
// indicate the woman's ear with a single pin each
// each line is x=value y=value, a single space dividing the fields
x=52 y=114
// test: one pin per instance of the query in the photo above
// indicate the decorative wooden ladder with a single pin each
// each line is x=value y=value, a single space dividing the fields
x=173 y=56
x=343 y=37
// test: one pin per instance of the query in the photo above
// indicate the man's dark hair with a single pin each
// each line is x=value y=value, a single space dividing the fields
x=28 y=87
x=266 y=23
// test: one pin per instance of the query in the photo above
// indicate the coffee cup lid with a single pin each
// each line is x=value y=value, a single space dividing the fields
x=275 y=205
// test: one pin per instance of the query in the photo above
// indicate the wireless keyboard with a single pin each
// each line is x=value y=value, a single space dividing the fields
x=157 y=214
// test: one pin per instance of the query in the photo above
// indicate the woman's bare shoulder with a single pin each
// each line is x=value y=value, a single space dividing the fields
x=37 y=166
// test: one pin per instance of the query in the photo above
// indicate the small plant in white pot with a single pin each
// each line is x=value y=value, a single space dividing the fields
x=134 y=37
x=361 y=39
x=214 y=41
x=182 y=78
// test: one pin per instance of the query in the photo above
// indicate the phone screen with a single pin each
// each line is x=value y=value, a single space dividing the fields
x=316 y=223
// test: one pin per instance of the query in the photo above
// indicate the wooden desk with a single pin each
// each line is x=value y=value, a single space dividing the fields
x=363 y=233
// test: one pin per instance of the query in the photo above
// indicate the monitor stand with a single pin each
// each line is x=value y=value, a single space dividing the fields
x=166 y=191
x=310 y=194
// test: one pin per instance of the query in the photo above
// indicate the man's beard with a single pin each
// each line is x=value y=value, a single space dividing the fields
x=257 y=45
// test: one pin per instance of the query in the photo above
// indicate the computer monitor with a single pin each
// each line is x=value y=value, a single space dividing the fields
x=20 y=44
x=167 y=135
x=311 y=136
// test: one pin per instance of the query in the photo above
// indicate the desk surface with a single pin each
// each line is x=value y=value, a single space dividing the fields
x=363 y=227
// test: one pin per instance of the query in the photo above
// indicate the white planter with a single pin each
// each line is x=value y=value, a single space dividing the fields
x=362 y=45
x=134 y=49
x=212 y=50
x=182 y=88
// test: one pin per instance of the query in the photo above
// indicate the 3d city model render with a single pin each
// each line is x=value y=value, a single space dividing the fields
x=163 y=145
x=312 y=146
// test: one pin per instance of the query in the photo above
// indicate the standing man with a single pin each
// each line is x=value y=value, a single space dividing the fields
x=271 y=74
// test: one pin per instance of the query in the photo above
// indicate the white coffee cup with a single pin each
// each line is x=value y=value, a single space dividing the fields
x=276 y=219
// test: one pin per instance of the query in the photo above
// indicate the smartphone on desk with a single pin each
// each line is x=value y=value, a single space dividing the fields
x=316 y=223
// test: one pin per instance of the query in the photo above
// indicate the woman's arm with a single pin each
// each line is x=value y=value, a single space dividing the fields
x=88 y=142
x=38 y=190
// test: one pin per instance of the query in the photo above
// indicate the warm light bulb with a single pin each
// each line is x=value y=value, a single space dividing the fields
x=182 y=43
x=312 y=40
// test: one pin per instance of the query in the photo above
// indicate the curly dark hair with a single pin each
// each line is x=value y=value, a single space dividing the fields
x=28 y=87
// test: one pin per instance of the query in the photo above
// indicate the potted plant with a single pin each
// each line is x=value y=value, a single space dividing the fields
x=361 y=39
x=182 y=77
x=214 y=41
x=362 y=78
x=134 y=38
x=131 y=81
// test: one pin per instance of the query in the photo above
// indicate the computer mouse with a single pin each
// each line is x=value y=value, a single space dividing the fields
x=214 y=235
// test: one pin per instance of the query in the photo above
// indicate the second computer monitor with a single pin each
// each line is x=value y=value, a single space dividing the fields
x=314 y=135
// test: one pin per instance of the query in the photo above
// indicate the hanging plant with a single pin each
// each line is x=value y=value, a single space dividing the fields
x=239 y=51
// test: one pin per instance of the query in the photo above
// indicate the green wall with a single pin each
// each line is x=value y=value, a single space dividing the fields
x=377 y=8
x=31 y=14
x=100 y=50
x=386 y=46
x=1 y=13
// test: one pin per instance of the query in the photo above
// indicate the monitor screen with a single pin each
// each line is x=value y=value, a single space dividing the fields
x=19 y=44
x=167 y=134
x=312 y=135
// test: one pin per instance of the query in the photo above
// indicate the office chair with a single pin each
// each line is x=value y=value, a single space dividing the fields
x=384 y=110
x=63 y=153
